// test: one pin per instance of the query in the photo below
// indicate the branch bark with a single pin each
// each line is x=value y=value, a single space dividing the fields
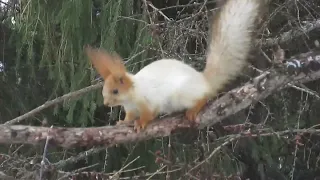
x=232 y=102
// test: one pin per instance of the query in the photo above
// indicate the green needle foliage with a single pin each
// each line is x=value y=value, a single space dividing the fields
x=52 y=37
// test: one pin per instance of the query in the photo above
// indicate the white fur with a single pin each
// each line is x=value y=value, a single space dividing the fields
x=168 y=85
x=230 y=41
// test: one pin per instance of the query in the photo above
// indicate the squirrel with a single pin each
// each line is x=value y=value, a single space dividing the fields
x=166 y=86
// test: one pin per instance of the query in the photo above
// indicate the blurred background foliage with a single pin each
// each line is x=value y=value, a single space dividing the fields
x=42 y=58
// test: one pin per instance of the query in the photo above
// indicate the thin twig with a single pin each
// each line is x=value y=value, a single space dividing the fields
x=44 y=159
x=248 y=134
x=76 y=171
x=156 y=172
x=214 y=152
x=77 y=158
x=120 y=171
x=160 y=12
x=69 y=96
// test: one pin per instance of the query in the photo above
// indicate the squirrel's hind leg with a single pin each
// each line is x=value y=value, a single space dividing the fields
x=192 y=113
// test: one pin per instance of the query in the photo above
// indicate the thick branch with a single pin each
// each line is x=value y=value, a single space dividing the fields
x=72 y=137
x=232 y=102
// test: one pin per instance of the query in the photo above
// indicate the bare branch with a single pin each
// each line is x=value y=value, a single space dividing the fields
x=293 y=33
x=231 y=103
x=72 y=137
x=74 y=159
x=69 y=96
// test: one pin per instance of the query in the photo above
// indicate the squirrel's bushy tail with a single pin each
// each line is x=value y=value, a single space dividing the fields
x=231 y=40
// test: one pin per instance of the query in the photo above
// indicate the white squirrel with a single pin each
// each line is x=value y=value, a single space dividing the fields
x=169 y=85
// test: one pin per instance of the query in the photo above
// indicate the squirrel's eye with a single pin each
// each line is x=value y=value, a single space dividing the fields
x=115 y=91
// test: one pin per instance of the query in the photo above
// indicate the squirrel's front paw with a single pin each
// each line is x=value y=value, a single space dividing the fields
x=139 y=125
x=191 y=115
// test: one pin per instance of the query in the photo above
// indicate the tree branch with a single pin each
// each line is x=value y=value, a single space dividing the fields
x=232 y=102
x=293 y=33
x=71 y=95
x=72 y=137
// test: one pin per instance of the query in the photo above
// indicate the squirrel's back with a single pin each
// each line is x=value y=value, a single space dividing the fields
x=170 y=85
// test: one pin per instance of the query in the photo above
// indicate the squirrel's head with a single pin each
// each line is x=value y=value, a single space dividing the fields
x=117 y=82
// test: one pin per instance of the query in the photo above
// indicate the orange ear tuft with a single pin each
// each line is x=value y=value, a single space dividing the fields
x=117 y=66
x=104 y=62
x=98 y=60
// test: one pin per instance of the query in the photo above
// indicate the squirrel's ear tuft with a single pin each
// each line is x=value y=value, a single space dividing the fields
x=99 y=59
x=117 y=66
x=104 y=62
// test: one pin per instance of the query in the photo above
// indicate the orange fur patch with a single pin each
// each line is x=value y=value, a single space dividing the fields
x=130 y=116
x=192 y=113
x=146 y=116
x=106 y=63
x=97 y=59
x=121 y=82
